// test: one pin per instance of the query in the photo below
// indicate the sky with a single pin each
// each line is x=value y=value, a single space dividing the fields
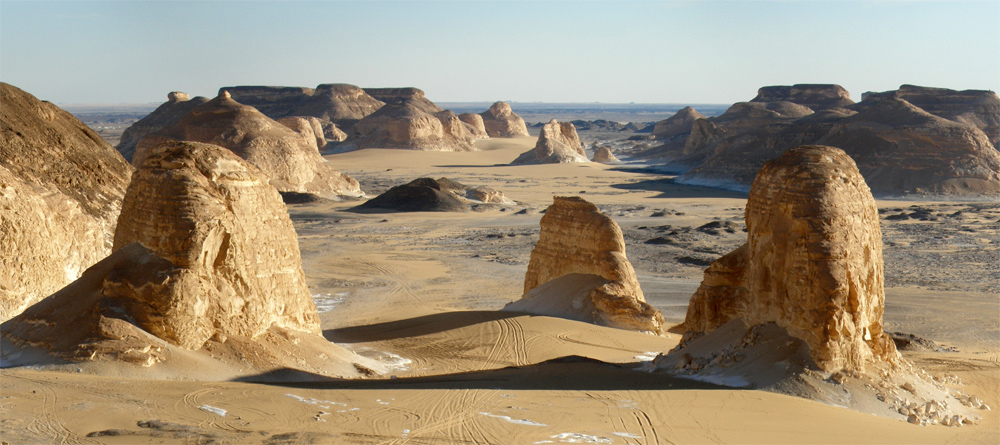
x=82 y=52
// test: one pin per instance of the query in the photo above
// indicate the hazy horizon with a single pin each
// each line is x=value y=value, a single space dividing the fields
x=614 y=52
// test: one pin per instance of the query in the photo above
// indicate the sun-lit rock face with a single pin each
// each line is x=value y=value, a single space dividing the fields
x=815 y=96
x=812 y=262
x=61 y=188
x=501 y=122
x=307 y=126
x=474 y=124
x=581 y=252
x=978 y=108
x=178 y=105
x=411 y=124
x=233 y=258
x=558 y=143
x=289 y=158
x=678 y=124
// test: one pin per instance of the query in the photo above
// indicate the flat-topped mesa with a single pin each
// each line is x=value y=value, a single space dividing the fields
x=234 y=264
x=275 y=102
x=815 y=96
x=578 y=270
x=61 y=188
x=978 y=108
x=290 y=159
x=411 y=124
x=501 y=122
x=558 y=143
x=678 y=124
x=178 y=105
x=812 y=263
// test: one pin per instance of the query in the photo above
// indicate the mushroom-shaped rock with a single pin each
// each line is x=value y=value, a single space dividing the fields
x=578 y=270
x=604 y=155
x=290 y=159
x=61 y=187
x=678 y=124
x=501 y=122
x=557 y=143
x=812 y=263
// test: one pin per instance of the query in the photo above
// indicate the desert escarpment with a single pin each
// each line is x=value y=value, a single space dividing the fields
x=61 y=188
x=290 y=159
x=178 y=105
x=815 y=96
x=812 y=263
x=501 y=122
x=578 y=269
x=558 y=143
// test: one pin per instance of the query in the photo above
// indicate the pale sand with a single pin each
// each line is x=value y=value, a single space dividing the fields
x=421 y=293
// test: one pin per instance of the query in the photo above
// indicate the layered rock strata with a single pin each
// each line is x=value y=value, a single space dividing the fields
x=178 y=105
x=411 y=124
x=557 y=143
x=978 y=108
x=501 y=122
x=815 y=96
x=578 y=269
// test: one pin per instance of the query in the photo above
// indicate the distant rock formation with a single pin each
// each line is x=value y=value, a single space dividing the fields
x=412 y=123
x=815 y=96
x=306 y=126
x=61 y=188
x=978 y=108
x=604 y=155
x=274 y=102
x=342 y=104
x=178 y=105
x=501 y=122
x=578 y=270
x=812 y=262
x=290 y=159
x=433 y=195
x=474 y=124
x=557 y=143
x=678 y=124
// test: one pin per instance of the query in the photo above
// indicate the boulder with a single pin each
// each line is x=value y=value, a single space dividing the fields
x=578 y=270
x=604 y=155
x=474 y=124
x=290 y=159
x=178 y=105
x=815 y=96
x=557 y=143
x=413 y=125
x=501 y=122
x=678 y=124
x=61 y=187
x=812 y=263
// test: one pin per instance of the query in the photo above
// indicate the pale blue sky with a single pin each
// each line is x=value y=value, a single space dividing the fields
x=607 y=51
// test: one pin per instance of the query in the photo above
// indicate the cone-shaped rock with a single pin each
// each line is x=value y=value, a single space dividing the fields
x=558 y=143
x=679 y=123
x=604 y=155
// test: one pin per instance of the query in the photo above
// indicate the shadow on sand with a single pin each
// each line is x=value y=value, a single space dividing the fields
x=669 y=188
x=414 y=327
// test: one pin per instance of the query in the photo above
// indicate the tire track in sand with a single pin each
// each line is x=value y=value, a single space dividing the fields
x=45 y=422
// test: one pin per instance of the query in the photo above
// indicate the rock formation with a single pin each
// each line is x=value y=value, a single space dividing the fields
x=678 y=124
x=289 y=158
x=978 y=108
x=815 y=96
x=501 y=122
x=579 y=270
x=308 y=127
x=342 y=104
x=557 y=143
x=433 y=195
x=604 y=155
x=274 y=102
x=61 y=187
x=178 y=105
x=474 y=124
x=413 y=124
x=812 y=263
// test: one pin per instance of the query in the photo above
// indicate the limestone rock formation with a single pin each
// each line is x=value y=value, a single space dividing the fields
x=178 y=105
x=61 y=187
x=332 y=132
x=678 y=124
x=578 y=269
x=433 y=195
x=339 y=103
x=415 y=96
x=815 y=96
x=812 y=263
x=413 y=124
x=274 y=102
x=557 y=143
x=307 y=126
x=978 y=108
x=474 y=124
x=290 y=159
x=501 y=122
x=604 y=155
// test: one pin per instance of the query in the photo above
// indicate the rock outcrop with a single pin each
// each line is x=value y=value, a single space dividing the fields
x=812 y=263
x=678 y=124
x=412 y=124
x=274 y=102
x=178 y=105
x=474 y=124
x=290 y=159
x=433 y=195
x=815 y=96
x=501 y=122
x=341 y=104
x=557 y=143
x=578 y=270
x=978 y=108
x=604 y=155
x=307 y=126
x=61 y=187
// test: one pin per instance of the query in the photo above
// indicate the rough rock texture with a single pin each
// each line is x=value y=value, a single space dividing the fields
x=415 y=96
x=604 y=155
x=339 y=103
x=331 y=132
x=978 y=108
x=557 y=143
x=290 y=159
x=275 y=102
x=307 y=127
x=61 y=187
x=815 y=96
x=812 y=262
x=576 y=238
x=411 y=124
x=678 y=124
x=178 y=105
x=433 y=195
x=474 y=124
x=501 y=122
x=230 y=254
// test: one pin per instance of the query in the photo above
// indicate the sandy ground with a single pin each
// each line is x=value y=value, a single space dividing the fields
x=420 y=292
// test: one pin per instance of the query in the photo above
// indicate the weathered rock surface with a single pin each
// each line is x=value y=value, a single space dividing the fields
x=306 y=126
x=815 y=96
x=413 y=124
x=557 y=143
x=231 y=256
x=290 y=159
x=978 y=108
x=678 y=124
x=61 y=188
x=578 y=244
x=339 y=103
x=275 y=102
x=178 y=105
x=501 y=122
x=474 y=124
x=812 y=263
x=433 y=195
x=604 y=155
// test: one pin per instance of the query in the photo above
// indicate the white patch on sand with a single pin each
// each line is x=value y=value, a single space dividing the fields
x=211 y=409
x=629 y=435
x=647 y=356
x=581 y=438
x=311 y=401
x=327 y=302
x=517 y=421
